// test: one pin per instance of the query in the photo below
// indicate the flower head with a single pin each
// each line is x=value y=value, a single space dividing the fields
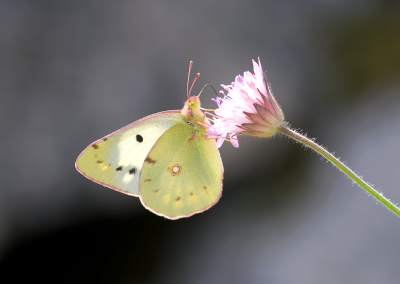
x=249 y=108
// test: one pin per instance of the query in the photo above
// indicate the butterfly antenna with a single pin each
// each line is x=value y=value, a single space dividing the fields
x=194 y=81
x=187 y=85
x=206 y=86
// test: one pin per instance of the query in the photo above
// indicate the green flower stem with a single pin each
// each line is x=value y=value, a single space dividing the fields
x=322 y=151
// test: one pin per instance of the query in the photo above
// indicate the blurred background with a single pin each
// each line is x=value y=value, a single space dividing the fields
x=74 y=71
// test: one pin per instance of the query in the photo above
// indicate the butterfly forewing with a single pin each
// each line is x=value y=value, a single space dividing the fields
x=116 y=160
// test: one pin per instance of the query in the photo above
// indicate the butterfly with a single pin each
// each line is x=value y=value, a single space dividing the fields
x=165 y=159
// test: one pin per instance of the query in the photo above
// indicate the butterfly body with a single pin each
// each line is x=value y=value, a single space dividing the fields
x=164 y=159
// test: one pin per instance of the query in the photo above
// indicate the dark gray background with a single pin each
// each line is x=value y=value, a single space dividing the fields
x=74 y=71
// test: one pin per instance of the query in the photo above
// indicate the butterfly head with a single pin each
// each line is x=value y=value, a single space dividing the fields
x=194 y=102
x=192 y=109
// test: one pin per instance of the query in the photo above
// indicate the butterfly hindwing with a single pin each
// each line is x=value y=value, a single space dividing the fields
x=182 y=174
x=116 y=160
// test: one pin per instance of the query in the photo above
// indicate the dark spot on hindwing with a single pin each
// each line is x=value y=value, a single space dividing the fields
x=205 y=187
x=119 y=168
x=149 y=180
x=100 y=162
x=132 y=171
x=139 y=138
x=150 y=160
x=178 y=198
x=155 y=191
x=191 y=193
x=95 y=146
x=104 y=139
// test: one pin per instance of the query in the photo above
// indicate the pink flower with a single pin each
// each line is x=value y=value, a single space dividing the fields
x=248 y=109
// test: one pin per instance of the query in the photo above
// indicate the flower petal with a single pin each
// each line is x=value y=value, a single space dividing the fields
x=234 y=141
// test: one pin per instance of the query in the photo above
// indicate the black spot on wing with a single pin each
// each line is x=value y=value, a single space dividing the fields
x=119 y=168
x=95 y=146
x=139 y=138
x=132 y=171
